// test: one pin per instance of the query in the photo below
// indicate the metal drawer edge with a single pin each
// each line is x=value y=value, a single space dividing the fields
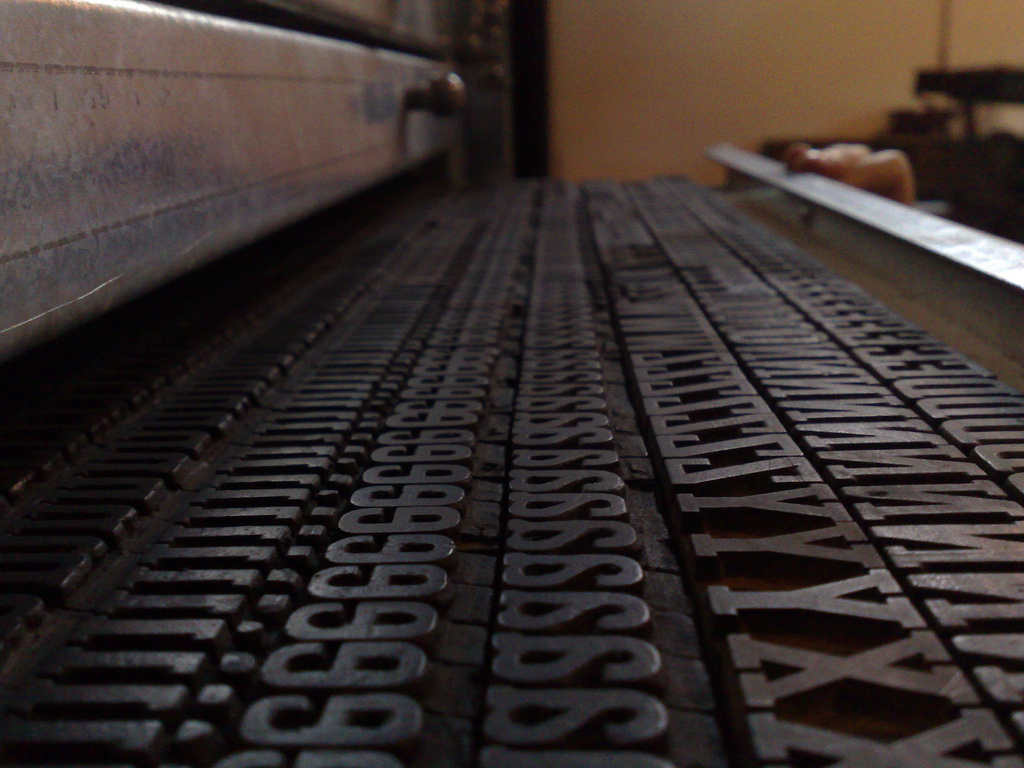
x=141 y=141
x=995 y=257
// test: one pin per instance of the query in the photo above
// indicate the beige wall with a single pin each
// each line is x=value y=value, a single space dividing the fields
x=641 y=87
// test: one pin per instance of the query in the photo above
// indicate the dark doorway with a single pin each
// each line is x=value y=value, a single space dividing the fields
x=529 y=44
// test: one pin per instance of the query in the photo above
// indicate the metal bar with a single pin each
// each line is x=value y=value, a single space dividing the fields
x=973 y=280
x=993 y=256
x=140 y=141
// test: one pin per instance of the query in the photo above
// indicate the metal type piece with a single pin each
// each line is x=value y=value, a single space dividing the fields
x=326 y=758
x=231 y=581
x=559 y=390
x=806 y=508
x=261 y=758
x=140 y=742
x=846 y=597
x=881 y=666
x=956 y=407
x=101 y=702
x=540 y=459
x=281 y=464
x=953 y=386
x=393 y=620
x=17 y=613
x=728 y=480
x=142 y=141
x=47 y=566
x=810 y=557
x=969 y=433
x=382 y=582
x=562 y=535
x=586 y=571
x=1001 y=459
x=232 y=608
x=353 y=666
x=376 y=520
x=144 y=494
x=866 y=394
x=567 y=505
x=214 y=556
x=837 y=435
x=565 y=611
x=725 y=453
x=410 y=437
x=407 y=496
x=500 y=757
x=275 y=536
x=540 y=430
x=567 y=711
x=551 y=377
x=394 y=548
x=973 y=600
x=975 y=501
x=688 y=386
x=936 y=465
x=556 y=480
x=208 y=635
x=974 y=729
x=72 y=664
x=1003 y=648
x=422 y=453
x=356 y=720
x=813 y=410
x=953 y=546
x=684 y=429
x=175 y=470
x=573 y=659
x=401 y=474
x=705 y=411
x=200 y=517
x=892 y=365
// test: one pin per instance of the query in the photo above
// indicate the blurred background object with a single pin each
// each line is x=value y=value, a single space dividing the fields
x=642 y=88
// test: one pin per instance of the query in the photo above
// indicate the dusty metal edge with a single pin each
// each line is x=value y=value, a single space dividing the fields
x=977 y=310
x=994 y=257
x=143 y=141
x=370 y=22
x=976 y=317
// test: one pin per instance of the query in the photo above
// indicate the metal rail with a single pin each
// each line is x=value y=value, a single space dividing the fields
x=141 y=141
x=988 y=254
x=416 y=26
x=975 y=279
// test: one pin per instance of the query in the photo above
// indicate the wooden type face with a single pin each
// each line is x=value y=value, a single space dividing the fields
x=424 y=535
x=870 y=447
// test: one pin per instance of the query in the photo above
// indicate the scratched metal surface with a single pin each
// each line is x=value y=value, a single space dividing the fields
x=993 y=256
x=139 y=141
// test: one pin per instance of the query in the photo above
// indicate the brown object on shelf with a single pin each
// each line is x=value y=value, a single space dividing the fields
x=915 y=122
x=971 y=86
